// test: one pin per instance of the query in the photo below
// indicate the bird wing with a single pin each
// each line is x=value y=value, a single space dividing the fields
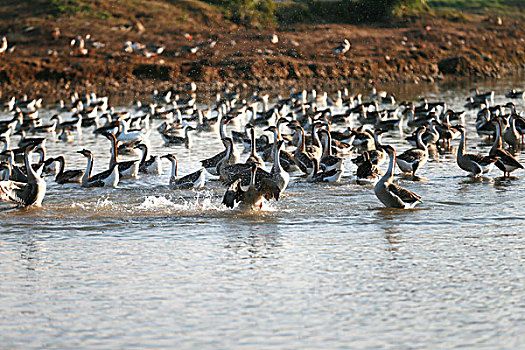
x=210 y=162
x=303 y=161
x=481 y=160
x=17 y=192
x=122 y=166
x=96 y=183
x=233 y=194
x=506 y=158
x=245 y=176
x=404 y=194
x=17 y=175
x=359 y=159
x=190 y=178
x=70 y=174
x=150 y=161
x=411 y=155
x=366 y=170
x=286 y=157
x=323 y=175
x=101 y=176
x=230 y=171
x=173 y=138
x=331 y=160
x=269 y=189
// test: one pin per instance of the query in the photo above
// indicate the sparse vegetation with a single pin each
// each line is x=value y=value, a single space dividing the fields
x=254 y=13
x=344 y=11
x=75 y=8
x=70 y=7
x=269 y=13
x=359 y=11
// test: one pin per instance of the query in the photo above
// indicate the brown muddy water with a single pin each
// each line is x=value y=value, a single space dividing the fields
x=327 y=266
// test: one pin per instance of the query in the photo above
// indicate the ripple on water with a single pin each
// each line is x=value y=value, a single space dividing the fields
x=326 y=266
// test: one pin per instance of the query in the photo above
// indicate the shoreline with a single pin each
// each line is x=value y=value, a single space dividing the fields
x=414 y=50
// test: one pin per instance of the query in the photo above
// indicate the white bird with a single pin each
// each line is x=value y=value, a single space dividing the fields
x=3 y=46
x=343 y=48
x=129 y=136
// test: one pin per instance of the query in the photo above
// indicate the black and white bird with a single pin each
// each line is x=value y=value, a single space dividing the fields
x=30 y=193
x=342 y=49
x=193 y=180
x=255 y=195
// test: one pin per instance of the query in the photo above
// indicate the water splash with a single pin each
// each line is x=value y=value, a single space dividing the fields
x=155 y=202
x=104 y=203
x=198 y=201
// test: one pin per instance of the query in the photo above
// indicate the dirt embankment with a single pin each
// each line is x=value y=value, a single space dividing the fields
x=423 y=49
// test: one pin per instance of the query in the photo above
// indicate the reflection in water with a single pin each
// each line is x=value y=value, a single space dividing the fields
x=503 y=184
x=29 y=252
x=393 y=240
x=254 y=233
x=410 y=177
x=386 y=221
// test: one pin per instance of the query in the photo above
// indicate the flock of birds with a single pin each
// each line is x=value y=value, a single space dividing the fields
x=83 y=45
x=314 y=149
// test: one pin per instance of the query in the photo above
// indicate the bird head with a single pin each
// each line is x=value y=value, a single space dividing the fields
x=85 y=152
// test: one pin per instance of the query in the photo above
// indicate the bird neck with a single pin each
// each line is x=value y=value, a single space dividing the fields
x=32 y=176
x=433 y=129
x=9 y=172
x=187 y=136
x=389 y=175
x=462 y=145
x=61 y=164
x=315 y=168
x=377 y=140
x=513 y=125
x=221 y=125
x=252 y=177
x=252 y=142
x=276 y=134
x=145 y=153
x=327 y=145
x=113 y=159
x=89 y=168
x=497 y=141
x=41 y=150
x=315 y=137
x=301 y=146
x=224 y=161
x=200 y=119
x=277 y=158
x=174 y=168
x=419 y=141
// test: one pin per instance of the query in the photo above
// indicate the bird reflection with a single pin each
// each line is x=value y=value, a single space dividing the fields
x=256 y=238
x=28 y=254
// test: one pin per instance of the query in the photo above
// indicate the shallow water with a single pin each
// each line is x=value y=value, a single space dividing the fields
x=324 y=267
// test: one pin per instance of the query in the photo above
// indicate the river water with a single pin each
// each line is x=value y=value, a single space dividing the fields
x=142 y=266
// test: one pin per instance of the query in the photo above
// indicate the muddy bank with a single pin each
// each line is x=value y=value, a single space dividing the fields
x=413 y=50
